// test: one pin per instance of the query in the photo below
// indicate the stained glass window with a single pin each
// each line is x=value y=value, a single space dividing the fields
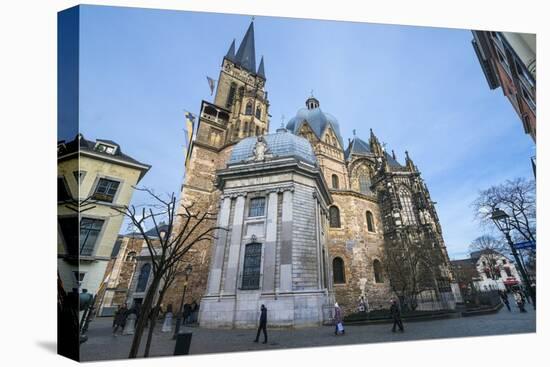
x=334 y=214
x=407 y=211
x=251 y=266
x=143 y=277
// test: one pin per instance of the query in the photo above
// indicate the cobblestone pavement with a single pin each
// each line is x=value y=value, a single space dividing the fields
x=102 y=345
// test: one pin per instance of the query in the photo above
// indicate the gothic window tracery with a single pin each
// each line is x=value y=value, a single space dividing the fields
x=364 y=183
x=258 y=112
x=407 y=209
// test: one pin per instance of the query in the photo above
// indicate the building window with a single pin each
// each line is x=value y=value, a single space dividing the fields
x=257 y=130
x=258 y=112
x=407 y=212
x=89 y=232
x=370 y=221
x=364 y=184
x=251 y=266
x=335 y=183
x=79 y=276
x=527 y=97
x=248 y=109
x=131 y=256
x=106 y=190
x=231 y=95
x=62 y=190
x=69 y=231
x=334 y=214
x=508 y=271
x=378 y=277
x=143 y=277
x=256 y=207
x=338 y=271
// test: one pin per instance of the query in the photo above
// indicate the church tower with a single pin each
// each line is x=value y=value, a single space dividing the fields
x=239 y=110
x=241 y=90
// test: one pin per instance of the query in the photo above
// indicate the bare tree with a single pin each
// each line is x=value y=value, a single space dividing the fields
x=183 y=229
x=411 y=265
x=490 y=249
x=517 y=198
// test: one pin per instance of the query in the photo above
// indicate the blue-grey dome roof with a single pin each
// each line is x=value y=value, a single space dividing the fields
x=317 y=120
x=280 y=144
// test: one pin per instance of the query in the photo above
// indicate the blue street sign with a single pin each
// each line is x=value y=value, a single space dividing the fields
x=525 y=245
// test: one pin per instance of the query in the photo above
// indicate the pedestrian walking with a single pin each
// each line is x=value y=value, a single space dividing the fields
x=339 y=326
x=362 y=305
x=263 y=325
x=119 y=319
x=396 y=316
x=504 y=298
x=519 y=301
x=167 y=325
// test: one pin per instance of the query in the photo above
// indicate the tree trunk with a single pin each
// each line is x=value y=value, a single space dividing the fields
x=142 y=320
x=154 y=318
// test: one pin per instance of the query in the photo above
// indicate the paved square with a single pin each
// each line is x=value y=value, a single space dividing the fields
x=101 y=345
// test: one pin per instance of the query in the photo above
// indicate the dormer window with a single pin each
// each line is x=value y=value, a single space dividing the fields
x=105 y=148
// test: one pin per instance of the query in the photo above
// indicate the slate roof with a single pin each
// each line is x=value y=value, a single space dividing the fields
x=81 y=144
x=246 y=54
x=317 y=120
x=281 y=144
x=359 y=146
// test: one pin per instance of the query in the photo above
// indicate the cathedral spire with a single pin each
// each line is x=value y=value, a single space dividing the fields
x=261 y=71
x=231 y=52
x=246 y=54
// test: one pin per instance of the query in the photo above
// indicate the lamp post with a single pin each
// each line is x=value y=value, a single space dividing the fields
x=502 y=221
x=187 y=272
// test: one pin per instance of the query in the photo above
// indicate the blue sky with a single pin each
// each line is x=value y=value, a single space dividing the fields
x=420 y=89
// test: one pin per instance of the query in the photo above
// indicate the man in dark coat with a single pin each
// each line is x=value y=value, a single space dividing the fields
x=504 y=298
x=396 y=316
x=263 y=324
x=120 y=318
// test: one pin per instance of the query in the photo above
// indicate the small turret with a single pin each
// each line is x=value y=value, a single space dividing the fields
x=409 y=163
x=375 y=145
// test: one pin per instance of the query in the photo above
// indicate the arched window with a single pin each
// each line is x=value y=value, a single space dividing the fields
x=378 y=278
x=131 y=256
x=338 y=271
x=364 y=184
x=334 y=214
x=245 y=130
x=251 y=266
x=370 y=221
x=231 y=95
x=143 y=277
x=335 y=183
x=407 y=211
x=258 y=111
x=248 y=110
x=257 y=130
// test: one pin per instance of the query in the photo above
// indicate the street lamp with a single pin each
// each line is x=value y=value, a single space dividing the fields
x=502 y=221
x=187 y=272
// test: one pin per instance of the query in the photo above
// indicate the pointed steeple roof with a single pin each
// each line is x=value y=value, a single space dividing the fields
x=246 y=54
x=261 y=72
x=231 y=52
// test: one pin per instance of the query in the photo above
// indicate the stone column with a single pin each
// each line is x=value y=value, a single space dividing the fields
x=270 y=245
x=230 y=283
x=214 y=278
x=286 y=243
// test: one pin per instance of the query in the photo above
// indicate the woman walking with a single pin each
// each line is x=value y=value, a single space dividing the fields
x=120 y=318
x=339 y=329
